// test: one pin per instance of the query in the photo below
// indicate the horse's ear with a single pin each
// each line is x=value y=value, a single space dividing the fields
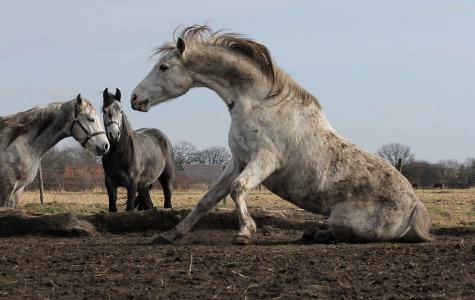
x=117 y=94
x=105 y=94
x=180 y=45
x=79 y=100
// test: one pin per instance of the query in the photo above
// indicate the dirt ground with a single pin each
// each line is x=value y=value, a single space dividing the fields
x=207 y=265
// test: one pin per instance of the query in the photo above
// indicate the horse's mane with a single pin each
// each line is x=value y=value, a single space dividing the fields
x=197 y=35
x=125 y=145
x=16 y=125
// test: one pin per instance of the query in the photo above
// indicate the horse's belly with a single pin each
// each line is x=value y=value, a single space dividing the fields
x=305 y=197
x=121 y=179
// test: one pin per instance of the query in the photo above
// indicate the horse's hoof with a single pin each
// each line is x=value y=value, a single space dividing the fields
x=308 y=235
x=242 y=240
x=323 y=237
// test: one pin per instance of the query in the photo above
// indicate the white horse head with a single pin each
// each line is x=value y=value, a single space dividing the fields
x=86 y=128
x=169 y=78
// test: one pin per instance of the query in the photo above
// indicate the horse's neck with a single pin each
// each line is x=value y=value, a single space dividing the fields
x=242 y=85
x=231 y=77
x=54 y=132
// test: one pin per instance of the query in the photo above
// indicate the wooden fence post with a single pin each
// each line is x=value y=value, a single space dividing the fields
x=40 y=179
x=399 y=165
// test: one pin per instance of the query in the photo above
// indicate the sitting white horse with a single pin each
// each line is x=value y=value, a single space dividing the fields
x=280 y=137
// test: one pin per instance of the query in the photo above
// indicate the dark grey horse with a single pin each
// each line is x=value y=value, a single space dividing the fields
x=136 y=160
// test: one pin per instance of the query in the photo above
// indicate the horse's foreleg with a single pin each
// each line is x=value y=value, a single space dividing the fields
x=212 y=197
x=112 y=193
x=144 y=199
x=257 y=170
x=131 y=196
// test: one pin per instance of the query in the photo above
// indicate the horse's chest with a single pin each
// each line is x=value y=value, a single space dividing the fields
x=246 y=137
x=119 y=172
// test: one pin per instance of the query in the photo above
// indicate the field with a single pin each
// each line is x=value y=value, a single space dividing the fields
x=207 y=265
x=448 y=208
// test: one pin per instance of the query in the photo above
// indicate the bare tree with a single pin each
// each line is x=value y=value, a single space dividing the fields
x=451 y=170
x=184 y=153
x=396 y=153
x=79 y=156
x=213 y=156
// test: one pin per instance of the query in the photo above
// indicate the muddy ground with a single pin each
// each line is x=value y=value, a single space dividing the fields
x=207 y=265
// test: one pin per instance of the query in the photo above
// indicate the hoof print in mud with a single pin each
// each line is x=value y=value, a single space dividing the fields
x=160 y=240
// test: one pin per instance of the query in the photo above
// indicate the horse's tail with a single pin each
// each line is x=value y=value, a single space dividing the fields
x=169 y=170
x=419 y=225
x=167 y=150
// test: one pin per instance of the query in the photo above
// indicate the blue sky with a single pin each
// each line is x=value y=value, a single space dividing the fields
x=384 y=71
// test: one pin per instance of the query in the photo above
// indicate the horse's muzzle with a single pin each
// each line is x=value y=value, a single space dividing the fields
x=102 y=150
x=143 y=105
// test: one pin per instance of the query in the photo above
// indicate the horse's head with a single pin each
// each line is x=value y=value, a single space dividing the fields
x=169 y=78
x=112 y=114
x=87 y=129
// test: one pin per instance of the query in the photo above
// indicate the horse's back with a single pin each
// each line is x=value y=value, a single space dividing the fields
x=161 y=141
x=157 y=136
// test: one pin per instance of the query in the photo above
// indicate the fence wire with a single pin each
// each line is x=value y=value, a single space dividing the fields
x=83 y=178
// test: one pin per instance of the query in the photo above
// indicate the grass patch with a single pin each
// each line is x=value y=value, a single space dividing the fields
x=448 y=208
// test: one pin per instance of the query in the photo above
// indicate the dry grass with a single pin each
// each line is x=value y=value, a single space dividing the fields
x=448 y=208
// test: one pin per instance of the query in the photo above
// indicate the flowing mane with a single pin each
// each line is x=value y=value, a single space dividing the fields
x=199 y=35
x=13 y=126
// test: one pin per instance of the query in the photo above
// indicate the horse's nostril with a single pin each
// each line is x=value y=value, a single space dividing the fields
x=134 y=97
x=106 y=147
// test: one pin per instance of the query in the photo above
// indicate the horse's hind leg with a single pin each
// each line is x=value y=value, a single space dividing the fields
x=367 y=221
x=148 y=203
x=318 y=233
x=144 y=200
x=139 y=202
x=167 y=191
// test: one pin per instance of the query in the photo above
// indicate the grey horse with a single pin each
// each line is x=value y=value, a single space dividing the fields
x=136 y=160
x=26 y=136
x=280 y=137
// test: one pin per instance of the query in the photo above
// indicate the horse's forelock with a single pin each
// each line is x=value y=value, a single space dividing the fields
x=108 y=101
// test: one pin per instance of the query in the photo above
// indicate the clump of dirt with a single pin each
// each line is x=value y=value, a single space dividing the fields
x=19 y=223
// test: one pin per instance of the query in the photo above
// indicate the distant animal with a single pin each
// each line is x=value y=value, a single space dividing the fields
x=280 y=137
x=26 y=136
x=136 y=160
x=438 y=186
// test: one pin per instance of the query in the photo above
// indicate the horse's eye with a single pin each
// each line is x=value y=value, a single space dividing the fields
x=91 y=120
x=163 y=68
